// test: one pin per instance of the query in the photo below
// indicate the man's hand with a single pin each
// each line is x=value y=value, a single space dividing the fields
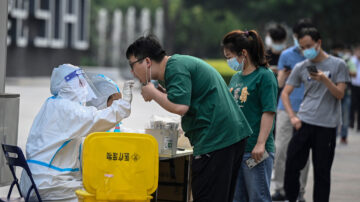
x=319 y=76
x=148 y=92
x=258 y=152
x=296 y=122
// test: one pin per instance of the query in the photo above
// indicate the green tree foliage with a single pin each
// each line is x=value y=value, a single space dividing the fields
x=337 y=20
x=196 y=27
x=199 y=31
x=111 y=5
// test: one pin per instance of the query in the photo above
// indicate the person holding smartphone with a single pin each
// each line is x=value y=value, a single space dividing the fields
x=324 y=77
x=254 y=88
x=284 y=130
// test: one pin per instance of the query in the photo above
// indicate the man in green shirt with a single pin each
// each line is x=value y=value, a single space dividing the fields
x=211 y=119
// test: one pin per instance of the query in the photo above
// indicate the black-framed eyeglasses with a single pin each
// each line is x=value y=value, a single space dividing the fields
x=132 y=63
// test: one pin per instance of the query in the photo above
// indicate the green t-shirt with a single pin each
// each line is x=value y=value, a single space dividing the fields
x=213 y=121
x=256 y=93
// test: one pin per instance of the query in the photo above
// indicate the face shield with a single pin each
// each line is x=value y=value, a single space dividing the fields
x=82 y=86
x=106 y=86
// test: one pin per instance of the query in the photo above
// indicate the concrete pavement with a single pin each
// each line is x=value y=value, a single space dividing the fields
x=345 y=175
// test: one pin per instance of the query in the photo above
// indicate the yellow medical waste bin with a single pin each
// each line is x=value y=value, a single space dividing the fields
x=119 y=167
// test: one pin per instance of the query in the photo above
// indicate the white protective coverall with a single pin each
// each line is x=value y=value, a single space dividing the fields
x=53 y=148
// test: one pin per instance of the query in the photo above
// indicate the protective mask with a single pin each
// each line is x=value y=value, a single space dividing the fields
x=347 y=56
x=341 y=54
x=268 y=41
x=90 y=94
x=310 y=53
x=296 y=42
x=235 y=65
x=78 y=86
x=278 y=47
x=83 y=95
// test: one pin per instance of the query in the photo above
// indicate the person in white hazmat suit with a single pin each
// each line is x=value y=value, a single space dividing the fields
x=53 y=148
x=111 y=91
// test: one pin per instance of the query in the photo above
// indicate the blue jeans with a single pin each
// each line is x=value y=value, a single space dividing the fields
x=253 y=185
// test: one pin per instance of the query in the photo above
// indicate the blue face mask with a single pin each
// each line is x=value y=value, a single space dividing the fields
x=296 y=42
x=310 y=53
x=235 y=65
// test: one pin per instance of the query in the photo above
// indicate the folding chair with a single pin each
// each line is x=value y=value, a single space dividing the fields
x=15 y=157
x=119 y=167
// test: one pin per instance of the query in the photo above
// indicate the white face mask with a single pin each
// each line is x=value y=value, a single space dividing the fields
x=268 y=41
x=347 y=56
x=82 y=95
x=79 y=86
x=278 y=47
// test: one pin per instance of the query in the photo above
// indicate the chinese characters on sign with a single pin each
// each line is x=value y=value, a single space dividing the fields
x=54 y=24
x=120 y=156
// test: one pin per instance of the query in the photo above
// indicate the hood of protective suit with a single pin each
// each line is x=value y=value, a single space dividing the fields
x=60 y=87
x=106 y=86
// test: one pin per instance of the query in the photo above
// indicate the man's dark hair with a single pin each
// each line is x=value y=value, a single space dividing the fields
x=312 y=32
x=356 y=46
x=277 y=33
x=146 y=46
x=340 y=46
x=302 y=23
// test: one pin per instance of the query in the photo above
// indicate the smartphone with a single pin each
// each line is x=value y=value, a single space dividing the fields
x=312 y=69
x=156 y=83
x=252 y=162
x=287 y=68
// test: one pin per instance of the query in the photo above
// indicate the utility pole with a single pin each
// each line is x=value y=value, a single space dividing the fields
x=3 y=42
x=9 y=103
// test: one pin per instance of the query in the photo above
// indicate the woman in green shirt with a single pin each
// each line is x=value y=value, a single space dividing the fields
x=254 y=88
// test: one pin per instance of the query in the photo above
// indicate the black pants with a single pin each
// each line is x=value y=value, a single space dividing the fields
x=322 y=141
x=355 y=106
x=214 y=174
